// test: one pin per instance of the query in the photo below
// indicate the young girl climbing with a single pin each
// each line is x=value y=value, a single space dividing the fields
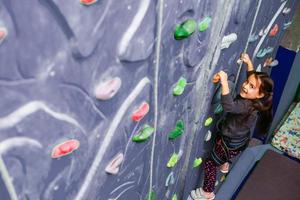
x=255 y=98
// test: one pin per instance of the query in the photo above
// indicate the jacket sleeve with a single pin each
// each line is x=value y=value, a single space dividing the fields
x=249 y=73
x=234 y=106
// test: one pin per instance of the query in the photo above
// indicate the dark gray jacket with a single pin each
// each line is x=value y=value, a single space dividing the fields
x=240 y=116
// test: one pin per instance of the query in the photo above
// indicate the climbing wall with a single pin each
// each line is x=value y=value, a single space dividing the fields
x=110 y=99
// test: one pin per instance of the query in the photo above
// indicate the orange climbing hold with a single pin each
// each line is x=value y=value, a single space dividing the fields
x=140 y=112
x=274 y=30
x=65 y=148
x=88 y=2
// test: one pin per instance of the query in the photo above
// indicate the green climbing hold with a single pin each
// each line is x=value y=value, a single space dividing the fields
x=151 y=196
x=174 y=197
x=177 y=131
x=218 y=110
x=144 y=134
x=197 y=162
x=208 y=121
x=262 y=52
x=173 y=160
x=204 y=24
x=179 y=88
x=185 y=29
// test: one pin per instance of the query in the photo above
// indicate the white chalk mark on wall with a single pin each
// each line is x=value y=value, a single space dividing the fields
x=268 y=28
x=95 y=29
x=13 y=142
x=32 y=107
x=108 y=137
x=122 y=185
x=144 y=5
x=7 y=180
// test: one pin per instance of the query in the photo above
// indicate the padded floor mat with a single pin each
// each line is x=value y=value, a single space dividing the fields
x=275 y=177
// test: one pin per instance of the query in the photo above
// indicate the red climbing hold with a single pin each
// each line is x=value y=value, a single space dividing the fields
x=3 y=33
x=274 y=30
x=65 y=148
x=88 y=2
x=140 y=112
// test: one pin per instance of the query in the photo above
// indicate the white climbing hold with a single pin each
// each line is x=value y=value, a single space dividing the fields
x=113 y=166
x=258 y=69
x=286 y=11
x=108 y=89
x=208 y=136
x=228 y=40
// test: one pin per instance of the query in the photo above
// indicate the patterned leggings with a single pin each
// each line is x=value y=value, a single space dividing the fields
x=210 y=166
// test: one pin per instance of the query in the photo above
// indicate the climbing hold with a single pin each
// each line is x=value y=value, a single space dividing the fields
x=258 y=69
x=185 y=29
x=216 y=183
x=286 y=11
x=208 y=136
x=65 y=148
x=222 y=178
x=144 y=134
x=218 y=109
x=113 y=166
x=274 y=63
x=170 y=179
x=174 y=197
x=140 y=112
x=151 y=196
x=108 y=89
x=261 y=33
x=262 y=52
x=177 y=131
x=228 y=40
x=286 y=25
x=88 y=2
x=179 y=88
x=274 y=30
x=253 y=38
x=197 y=162
x=216 y=78
x=3 y=34
x=204 y=24
x=173 y=160
x=208 y=121
x=268 y=61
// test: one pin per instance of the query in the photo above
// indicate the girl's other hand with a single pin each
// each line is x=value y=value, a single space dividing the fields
x=223 y=76
x=245 y=58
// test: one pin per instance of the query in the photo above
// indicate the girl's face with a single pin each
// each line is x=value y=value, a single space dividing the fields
x=250 y=88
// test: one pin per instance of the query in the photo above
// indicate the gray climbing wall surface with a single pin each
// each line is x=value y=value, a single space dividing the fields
x=72 y=76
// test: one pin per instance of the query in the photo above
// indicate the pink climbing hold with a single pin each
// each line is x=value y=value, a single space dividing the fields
x=65 y=148
x=140 y=112
x=108 y=89
x=3 y=34
x=274 y=30
x=113 y=166
x=88 y=2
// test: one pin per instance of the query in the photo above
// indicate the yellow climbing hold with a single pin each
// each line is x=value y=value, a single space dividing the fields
x=208 y=121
